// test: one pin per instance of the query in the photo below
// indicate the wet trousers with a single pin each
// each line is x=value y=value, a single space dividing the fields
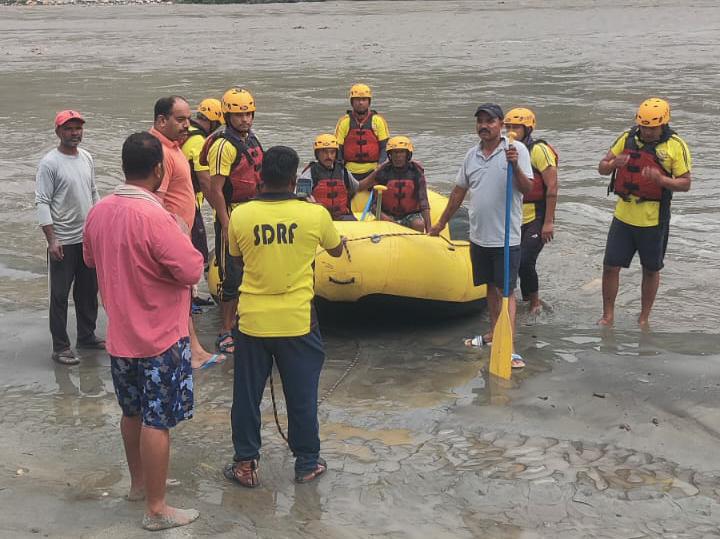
x=299 y=361
x=531 y=244
x=71 y=271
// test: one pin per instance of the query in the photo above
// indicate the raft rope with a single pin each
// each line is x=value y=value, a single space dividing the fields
x=322 y=399
x=375 y=238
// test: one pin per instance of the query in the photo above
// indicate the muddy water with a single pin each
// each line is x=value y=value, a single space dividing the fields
x=404 y=431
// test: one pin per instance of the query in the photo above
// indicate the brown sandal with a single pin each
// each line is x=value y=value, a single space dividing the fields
x=243 y=472
x=320 y=469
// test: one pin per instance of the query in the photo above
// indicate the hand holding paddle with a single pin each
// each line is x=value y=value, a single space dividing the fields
x=502 y=349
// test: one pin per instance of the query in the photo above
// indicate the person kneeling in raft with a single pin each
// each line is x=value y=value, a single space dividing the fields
x=405 y=201
x=328 y=182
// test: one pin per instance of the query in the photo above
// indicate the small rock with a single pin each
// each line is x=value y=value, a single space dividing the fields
x=543 y=397
x=21 y=471
x=655 y=421
x=643 y=380
x=599 y=395
x=626 y=427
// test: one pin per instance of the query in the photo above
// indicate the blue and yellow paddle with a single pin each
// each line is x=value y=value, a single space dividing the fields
x=502 y=344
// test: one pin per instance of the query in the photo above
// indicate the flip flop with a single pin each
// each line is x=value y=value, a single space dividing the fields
x=225 y=343
x=214 y=360
x=65 y=357
x=477 y=342
x=517 y=361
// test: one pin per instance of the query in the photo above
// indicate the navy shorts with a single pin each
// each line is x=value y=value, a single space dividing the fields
x=488 y=264
x=159 y=389
x=624 y=240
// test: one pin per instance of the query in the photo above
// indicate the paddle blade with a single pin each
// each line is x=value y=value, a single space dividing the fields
x=502 y=345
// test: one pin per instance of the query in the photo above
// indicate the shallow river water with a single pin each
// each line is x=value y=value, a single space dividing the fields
x=410 y=459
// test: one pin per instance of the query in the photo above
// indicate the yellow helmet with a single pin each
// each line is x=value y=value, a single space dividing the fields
x=325 y=140
x=399 y=143
x=520 y=116
x=238 y=100
x=653 y=112
x=211 y=109
x=360 y=90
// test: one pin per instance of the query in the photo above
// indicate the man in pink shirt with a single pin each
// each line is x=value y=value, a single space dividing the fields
x=170 y=127
x=145 y=264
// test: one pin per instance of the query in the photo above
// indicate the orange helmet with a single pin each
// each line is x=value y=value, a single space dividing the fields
x=360 y=90
x=238 y=100
x=653 y=112
x=325 y=140
x=520 y=116
x=211 y=109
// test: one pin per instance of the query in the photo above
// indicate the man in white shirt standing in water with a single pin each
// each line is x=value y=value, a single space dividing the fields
x=65 y=191
x=484 y=174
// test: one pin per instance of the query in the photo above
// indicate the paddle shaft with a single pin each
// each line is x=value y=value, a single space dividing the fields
x=367 y=206
x=506 y=248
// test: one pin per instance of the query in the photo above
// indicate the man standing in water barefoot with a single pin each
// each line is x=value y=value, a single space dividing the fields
x=484 y=174
x=538 y=226
x=171 y=126
x=145 y=265
x=647 y=163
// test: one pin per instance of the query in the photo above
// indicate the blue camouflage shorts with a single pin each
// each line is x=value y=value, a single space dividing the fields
x=160 y=388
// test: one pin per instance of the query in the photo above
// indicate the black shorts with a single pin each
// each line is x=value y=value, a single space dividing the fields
x=624 y=240
x=488 y=264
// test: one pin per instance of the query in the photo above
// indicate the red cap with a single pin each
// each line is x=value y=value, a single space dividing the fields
x=65 y=116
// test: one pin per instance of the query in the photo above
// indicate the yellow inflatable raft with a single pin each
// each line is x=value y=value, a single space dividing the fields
x=392 y=264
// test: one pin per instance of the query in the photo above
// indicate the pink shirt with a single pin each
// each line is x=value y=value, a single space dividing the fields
x=145 y=267
x=176 y=187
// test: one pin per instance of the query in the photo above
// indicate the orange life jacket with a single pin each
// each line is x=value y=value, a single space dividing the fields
x=361 y=143
x=402 y=195
x=537 y=193
x=629 y=180
x=331 y=188
x=243 y=182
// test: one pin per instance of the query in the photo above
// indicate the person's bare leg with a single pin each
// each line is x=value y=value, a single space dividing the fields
x=417 y=224
x=130 y=430
x=535 y=304
x=155 y=454
x=512 y=311
x=649 y=288
x=198 y=354
x=494 y=302
x=610 y=285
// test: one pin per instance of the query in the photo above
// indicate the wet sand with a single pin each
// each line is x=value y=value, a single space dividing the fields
x=620 y=441
x=605 y=434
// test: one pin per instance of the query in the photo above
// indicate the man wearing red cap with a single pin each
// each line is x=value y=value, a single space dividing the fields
x=65 y=191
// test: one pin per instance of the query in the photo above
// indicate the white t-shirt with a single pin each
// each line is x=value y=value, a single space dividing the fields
x=486 y=178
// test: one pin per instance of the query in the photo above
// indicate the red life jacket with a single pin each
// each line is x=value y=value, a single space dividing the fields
x=331 y=188
x=361 y=143
x=537 y=193
x=402 y=195
x=629 y=180
x=243 y=182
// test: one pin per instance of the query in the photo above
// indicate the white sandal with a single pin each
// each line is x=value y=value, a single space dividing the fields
x=477 y=342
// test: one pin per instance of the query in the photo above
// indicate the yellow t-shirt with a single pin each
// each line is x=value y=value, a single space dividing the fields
x=191 y=150
x=277 y=237
x=221 y=157
x=379 y=127
x=541 y=157
x=675 y=157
